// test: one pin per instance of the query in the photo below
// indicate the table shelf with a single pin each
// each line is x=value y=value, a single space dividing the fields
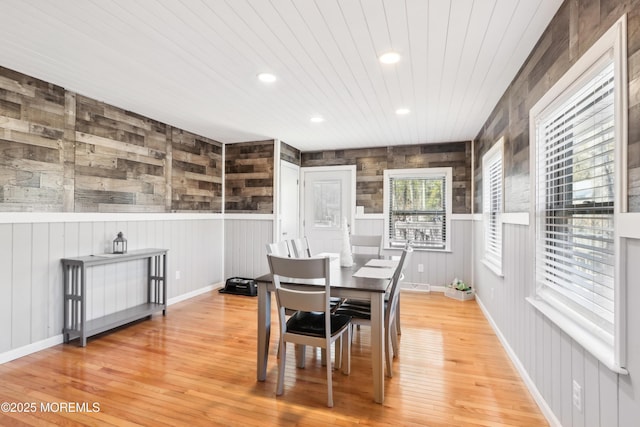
x=117 y=319
x=76 y=324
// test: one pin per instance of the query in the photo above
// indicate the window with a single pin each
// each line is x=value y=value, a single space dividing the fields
x=575 y=201
x=417 y=208
x=492 y=206
x=578 y=141
x=327 y=204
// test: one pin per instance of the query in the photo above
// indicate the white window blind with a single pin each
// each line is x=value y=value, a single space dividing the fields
x=575 y=202
x=492 y=206
x=417 y=208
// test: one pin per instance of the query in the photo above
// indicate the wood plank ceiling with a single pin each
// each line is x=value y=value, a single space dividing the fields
x=193 y=64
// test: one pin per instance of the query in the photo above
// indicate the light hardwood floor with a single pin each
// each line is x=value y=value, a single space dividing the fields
x=197 y=366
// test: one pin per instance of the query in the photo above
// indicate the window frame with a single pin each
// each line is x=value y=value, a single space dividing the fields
x=610 y=350
x=444 y=172
x=492 y=259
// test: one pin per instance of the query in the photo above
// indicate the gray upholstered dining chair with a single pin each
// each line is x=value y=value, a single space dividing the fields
x=372 y=242
x=313 y=323
x=300 y=249
x=285 y=248
x=360 y=312
x=282 y=249
x=279 y=248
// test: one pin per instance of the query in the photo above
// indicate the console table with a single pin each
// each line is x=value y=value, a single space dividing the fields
x=74 y=286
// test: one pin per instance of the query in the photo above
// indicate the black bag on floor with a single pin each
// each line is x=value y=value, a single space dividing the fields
x=240 y=286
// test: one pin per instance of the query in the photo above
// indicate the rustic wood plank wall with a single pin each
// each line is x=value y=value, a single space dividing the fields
x=32 y=133
x=196 y=172
x=371 y=162
x=290 y=154
x=574 y=29
x=249 y=177
x=120 y=160
x=65 y=152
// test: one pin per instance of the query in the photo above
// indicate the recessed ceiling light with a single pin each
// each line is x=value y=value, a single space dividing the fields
x=389 y=57
x=267 y=77
x=317 y=119
x=402 y=111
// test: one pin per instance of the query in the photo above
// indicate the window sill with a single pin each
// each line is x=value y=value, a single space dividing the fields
x=494 y=268
x=446 y=251
x=587 y=339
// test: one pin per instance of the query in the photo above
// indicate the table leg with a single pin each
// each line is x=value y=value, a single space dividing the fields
x=67 y=301
x=377 y=345
x=164 y=283
x=83 y=310
x=264 y=330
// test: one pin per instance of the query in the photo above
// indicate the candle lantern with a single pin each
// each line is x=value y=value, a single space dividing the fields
x=120 y=244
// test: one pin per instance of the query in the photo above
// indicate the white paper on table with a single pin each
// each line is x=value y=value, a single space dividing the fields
x=388 y=263
x=374 y=272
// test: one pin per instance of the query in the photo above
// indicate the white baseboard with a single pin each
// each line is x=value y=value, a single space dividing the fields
x=35 y=347
x=192 y=294
x=415 y=287
x=420 y=287
x=542 y=404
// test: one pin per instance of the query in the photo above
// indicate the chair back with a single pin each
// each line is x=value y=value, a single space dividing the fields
x=395 y=284
x=312 y=298
x=367 y=241
x=300 y=248
x=279 y=248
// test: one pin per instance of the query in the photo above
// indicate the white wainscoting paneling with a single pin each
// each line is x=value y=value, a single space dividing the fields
x=368 y=224
x=31 y=308
x=628 y=387
x=438 y=268
x=245 y=245
x=547 y=357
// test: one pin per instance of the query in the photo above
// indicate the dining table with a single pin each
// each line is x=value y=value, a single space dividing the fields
x=358 y=281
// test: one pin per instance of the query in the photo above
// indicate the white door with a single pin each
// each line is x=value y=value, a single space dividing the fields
x=329 y=195
x=289 y=208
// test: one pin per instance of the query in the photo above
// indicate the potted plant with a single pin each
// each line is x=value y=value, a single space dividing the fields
x=459 y=290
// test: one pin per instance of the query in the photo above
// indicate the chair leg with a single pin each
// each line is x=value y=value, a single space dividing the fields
x=301 y=353
x=394 y=339
x=397 y=322
x=327 y=351
x=388 y=353
x=354 y=327
x=338 y=352
x=281 y=366
x=346 y=352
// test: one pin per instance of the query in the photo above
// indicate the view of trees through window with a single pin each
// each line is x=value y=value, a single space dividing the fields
x=418 y=212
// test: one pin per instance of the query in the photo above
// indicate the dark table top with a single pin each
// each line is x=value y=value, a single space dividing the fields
x=341 y=277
